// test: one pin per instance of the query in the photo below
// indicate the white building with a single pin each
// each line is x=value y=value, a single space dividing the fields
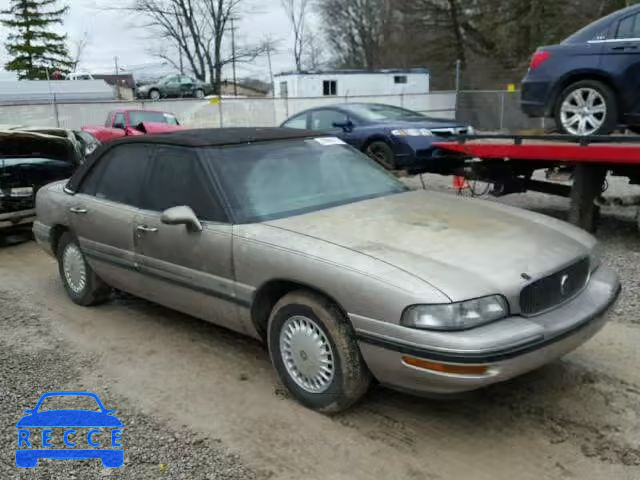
x=346 y=83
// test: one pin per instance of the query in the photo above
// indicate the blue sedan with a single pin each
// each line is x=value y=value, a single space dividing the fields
x=397 y=138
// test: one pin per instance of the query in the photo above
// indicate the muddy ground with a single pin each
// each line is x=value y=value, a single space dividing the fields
x=199 y=402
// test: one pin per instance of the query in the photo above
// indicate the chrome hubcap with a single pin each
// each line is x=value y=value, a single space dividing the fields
x=306 y=353
x=583 y=111
x=74 y=267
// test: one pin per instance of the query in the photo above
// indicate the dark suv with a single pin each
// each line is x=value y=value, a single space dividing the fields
x=589 y=83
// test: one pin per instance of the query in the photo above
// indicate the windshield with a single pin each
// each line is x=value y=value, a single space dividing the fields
x=278 y=179
x=381 y=112
x=155 y=117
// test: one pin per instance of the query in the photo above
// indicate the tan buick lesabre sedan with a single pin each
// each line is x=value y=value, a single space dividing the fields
x=348 y=276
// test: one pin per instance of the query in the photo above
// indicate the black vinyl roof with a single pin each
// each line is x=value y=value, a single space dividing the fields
x=218 y=137
x=203 y=137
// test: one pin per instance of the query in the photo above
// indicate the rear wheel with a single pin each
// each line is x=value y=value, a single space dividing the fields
x=83 y=286
x=314 y=351
x=587 y=107
x=199 y=93
x=382 y=153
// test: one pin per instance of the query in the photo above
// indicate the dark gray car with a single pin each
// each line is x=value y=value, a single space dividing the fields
x=347 y=275
x=174 y=86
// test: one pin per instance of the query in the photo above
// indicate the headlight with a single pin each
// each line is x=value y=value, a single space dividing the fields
x=412 y=132
x=456 y=316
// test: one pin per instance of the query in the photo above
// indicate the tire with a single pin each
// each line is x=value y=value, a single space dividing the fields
x=306 y=319
x=92 y=290
x=634 y=129
x=154 y=95
x=382 y=153
x=199 y=93
x=600 y=104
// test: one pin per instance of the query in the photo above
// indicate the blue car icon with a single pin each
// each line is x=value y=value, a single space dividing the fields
x=104 y=430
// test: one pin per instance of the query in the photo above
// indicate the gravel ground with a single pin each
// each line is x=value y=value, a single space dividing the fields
x=34 y=360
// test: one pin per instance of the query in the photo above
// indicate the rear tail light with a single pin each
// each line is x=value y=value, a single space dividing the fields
x=538 y=58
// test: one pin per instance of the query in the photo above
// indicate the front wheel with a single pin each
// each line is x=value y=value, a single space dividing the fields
x=82 y=284
x=586 y=108
x=154 y=95
x=382 y=153
x=199 y=93
x=314 y=351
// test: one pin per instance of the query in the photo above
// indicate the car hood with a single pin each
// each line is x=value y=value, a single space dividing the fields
x=465 y=248
x=69 y=418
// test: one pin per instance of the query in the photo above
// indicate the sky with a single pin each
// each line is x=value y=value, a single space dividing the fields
x=114 y=33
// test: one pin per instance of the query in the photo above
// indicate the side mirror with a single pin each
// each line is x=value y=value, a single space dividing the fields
x=29 y=410
x=346 y=126
x=182 y=215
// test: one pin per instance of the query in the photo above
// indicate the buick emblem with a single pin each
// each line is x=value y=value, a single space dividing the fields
x=563 y=284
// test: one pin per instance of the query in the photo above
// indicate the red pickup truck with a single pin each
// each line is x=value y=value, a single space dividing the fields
x=122 y=123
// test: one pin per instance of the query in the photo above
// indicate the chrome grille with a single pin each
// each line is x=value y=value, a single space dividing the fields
x=555 y=289
x=449 y=132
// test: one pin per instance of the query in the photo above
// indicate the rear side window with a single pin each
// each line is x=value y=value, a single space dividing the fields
x=119 y=120
x=629 y=27
x=299 y=122
x=119 y=175
x=177 y=178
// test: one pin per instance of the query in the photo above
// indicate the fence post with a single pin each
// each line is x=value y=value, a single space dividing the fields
x=55 y=111
x=458 y=73
x=501 y=110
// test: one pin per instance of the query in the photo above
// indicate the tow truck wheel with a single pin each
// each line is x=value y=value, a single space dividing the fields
x=587 y=107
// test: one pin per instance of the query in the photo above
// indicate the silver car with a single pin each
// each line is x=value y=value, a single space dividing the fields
x=348 y=276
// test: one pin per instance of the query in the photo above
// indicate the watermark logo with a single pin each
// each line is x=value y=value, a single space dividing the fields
x=81 y=433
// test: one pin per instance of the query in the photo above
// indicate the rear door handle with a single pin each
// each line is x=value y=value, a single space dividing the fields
x=78 y=210
x=144 y=228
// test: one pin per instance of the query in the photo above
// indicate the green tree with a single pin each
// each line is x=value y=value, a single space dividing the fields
x=35 y=49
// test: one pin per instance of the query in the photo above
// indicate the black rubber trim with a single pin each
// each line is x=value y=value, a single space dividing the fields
x=129 y=266
x=481 y=357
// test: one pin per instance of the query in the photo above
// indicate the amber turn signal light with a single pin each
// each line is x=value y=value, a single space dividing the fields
x=446 y=367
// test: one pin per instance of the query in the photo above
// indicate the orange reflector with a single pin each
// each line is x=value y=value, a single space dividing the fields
x=446 y=367
x=459 y=182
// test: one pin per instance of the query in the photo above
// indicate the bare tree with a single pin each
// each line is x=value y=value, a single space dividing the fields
x=296 y=11
x=79 y=47
x=196 y=30
x=358 y=30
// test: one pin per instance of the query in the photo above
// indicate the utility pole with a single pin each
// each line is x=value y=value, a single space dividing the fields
x=273 y=87
x=117 y=78
x=233 y=56
x=181 y=62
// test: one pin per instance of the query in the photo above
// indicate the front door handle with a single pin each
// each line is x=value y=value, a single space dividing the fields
x=78 y=210
x=145 y=229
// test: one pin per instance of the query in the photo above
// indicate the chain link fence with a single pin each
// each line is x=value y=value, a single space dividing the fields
x=493 y=110
x=486 y=110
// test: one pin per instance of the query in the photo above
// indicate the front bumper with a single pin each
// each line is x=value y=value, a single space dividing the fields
x=543 y=339
x=42 y=234
x=16 y=219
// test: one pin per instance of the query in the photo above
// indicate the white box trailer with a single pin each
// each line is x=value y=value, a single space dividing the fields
x=346 y=83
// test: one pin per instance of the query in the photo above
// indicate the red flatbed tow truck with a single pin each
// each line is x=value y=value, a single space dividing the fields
x=508 y=162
